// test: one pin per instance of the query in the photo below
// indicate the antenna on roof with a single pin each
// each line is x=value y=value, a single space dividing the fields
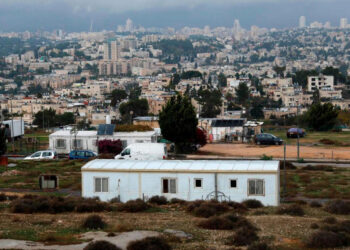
x=91 y=25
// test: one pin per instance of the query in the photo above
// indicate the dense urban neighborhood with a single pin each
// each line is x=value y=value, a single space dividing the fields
x=176 y=138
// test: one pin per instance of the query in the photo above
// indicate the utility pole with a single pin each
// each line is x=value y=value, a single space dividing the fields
x=284 y=171
x=298 y=152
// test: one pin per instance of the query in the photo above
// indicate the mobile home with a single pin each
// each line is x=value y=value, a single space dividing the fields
x=187 y=180
x=63 y=141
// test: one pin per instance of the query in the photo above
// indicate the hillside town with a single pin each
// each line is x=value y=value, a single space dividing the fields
x=175 y=138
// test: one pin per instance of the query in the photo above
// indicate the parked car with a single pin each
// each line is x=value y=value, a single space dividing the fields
x=81 y=154
x=144 y=151
x=42 y=155
x=268 y=139
x=293 y=132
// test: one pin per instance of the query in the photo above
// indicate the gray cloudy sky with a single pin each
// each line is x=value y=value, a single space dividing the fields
x=76 y=15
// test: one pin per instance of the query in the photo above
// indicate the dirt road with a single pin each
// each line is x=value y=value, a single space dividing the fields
x=246 y=150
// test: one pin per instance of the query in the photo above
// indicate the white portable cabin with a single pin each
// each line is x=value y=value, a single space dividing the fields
x=63 y=141
x=16 y=127
x=187 y=180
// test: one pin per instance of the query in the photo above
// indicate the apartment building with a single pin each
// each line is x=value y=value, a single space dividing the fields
x=319 y=82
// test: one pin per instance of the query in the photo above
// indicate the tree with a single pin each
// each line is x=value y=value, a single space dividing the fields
x=118 y=95
x=256 y=110
x=279 y=70
x=178 y=122
x=338 y=76
x=242 y=93
x=65 y=119
x=316 y=97
x=211 y=103
x=222 y=80
x=110 y=147
x=135 y=93
x=132 y=108
x=191 y=74
x=321 y=117
x=46 y=118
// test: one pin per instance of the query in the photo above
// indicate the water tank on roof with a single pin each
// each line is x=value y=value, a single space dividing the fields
x=108 y=119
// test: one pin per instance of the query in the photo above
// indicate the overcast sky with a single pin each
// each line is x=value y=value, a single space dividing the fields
x=76 y=15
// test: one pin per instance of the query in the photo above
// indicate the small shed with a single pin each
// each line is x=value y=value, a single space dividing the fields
x=188 y=180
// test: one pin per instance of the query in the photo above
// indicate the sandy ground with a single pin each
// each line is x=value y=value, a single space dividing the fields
x=120 y=240
x=246 y=151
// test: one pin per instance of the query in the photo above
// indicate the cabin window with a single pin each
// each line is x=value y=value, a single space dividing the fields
x=233 y=183
x=169 y=186
x=198 y=183
x=256 y=187
x=77 y=144
x=101 y=185
x=61 y=143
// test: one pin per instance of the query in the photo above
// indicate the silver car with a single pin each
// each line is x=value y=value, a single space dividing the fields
x=42 y=155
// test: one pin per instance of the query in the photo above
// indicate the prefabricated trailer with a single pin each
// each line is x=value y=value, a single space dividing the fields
x=187 y=180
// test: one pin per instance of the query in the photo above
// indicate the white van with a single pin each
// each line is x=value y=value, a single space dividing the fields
x=144 y=151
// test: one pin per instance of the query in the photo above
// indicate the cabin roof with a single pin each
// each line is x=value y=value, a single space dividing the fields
x=212 y=166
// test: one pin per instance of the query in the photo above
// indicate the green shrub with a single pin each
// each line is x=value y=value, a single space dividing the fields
x=338 y=207
x=94 y=222
x=294 y=210
x=315 y=204
x=265 y=157
x=149 y=243
x=259 y=246
x=134 y=206
x=325 y=239
x=329 y=220
x=177 y=201
x=243 y=237
x=211 y=208
x=3 y=197
x=101 y=245
x=159 y=200
x=252 y=203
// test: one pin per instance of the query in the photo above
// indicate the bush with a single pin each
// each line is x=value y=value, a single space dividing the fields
x=216 y=223
x=110 y=147
x=134 y=206
x=259 y=246
x=315 y=204
x=101 y=244
x=159 y=200
x=240 y=222
x=338 y=207
x=289 y=165
x=94 y=222
x=243 y=237
x=294 y=210
x=3 y=197
x=238 y=207
x=314 y=226
x=341 y=227
x=193 y=204
x=329 y=220
x=149 y=243
x=265 y=157
x=325 y=239
x=226 y=222
x=318 y=168
x=37 y=204
x=177 y=201
x=210 y=208
x=252 y=203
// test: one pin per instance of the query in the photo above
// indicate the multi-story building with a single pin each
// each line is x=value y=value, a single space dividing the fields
x=319 y=82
